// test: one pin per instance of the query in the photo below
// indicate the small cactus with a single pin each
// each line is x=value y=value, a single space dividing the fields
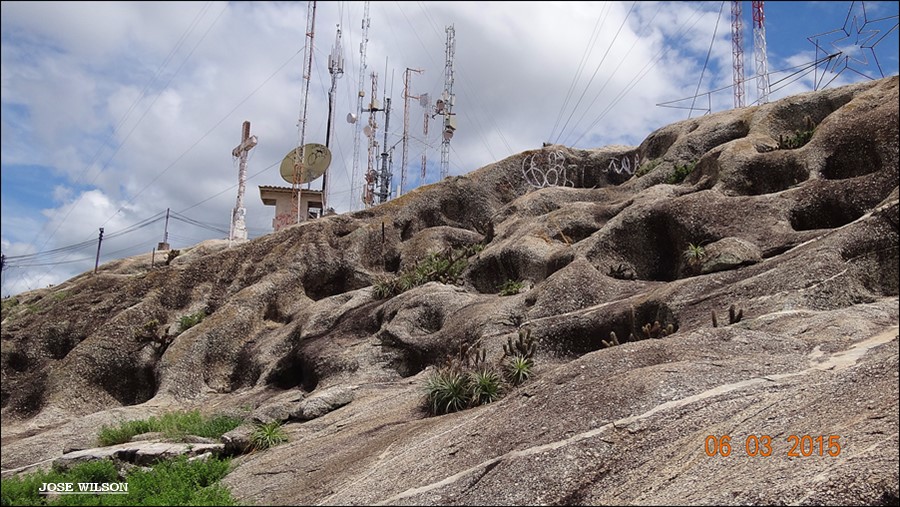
x=524 y=346
x=734 y=318
x=613 y=340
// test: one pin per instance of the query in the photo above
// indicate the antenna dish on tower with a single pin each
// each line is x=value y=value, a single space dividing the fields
x=424 y=100
x=317 y=160
x=351 y=118
x=367 y=131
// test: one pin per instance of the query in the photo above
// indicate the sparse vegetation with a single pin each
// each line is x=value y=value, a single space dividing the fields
x=445 y=267
x=694 y=255
x=61 y=295
x=621 y=272
x=469 y=380
x=171 y=256
x=447 y=390
x=267 y=435
x=173 y=482
x=189 y=321
x=646 y=167
x=799 y=137
x=681 y=172
x=511 y=288
x=173 y=426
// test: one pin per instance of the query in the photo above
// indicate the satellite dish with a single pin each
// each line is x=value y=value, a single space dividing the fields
x=351 y=118
x=439 y=106
x=367 y=130
x=317 y=160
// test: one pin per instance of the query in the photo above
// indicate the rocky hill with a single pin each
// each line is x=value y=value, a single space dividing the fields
x=786 y=214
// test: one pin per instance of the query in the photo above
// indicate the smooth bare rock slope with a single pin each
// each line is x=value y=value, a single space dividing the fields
x=803 y=241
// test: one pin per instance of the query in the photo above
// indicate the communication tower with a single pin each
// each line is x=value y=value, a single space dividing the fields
x=444 y=105
x=737 y=52
x=406 y=97
x=354 y=118
x=336 y=69
x=299 y=155
x=759 y=52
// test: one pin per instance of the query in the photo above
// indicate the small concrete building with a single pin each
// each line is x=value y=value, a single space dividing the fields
x=280 y=197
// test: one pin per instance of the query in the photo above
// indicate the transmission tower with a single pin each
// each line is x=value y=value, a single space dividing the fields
x=359 y=108
x=299 y=156
x=759 y=52
x=406 y=97
x=336 y=69
x=444 y=105
x=737 y=52
x=368 y=196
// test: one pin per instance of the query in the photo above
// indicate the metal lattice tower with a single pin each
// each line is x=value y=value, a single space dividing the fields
x=737 y=52
x=406 y=97
x=304 y=103
x=759 y=52
x=368 y=196
x=445 y=107
x=336 y=69
x=359 y=107
x=384 y=177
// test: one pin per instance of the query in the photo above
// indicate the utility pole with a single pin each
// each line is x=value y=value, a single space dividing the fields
x=359 y=108
x=336 y=69
x=238 y=226
x=426 y=104
x=299 y=155
x=406 y=97
x=99 y=241
x=165 y=242
x=737 y=52
x=444 y=106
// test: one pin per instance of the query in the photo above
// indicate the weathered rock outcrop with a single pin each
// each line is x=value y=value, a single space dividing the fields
x=803 y=241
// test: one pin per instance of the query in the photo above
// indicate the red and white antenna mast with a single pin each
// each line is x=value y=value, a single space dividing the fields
x=737 y=52
x=759 y=52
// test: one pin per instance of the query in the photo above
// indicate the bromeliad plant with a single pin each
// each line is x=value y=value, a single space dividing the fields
x=469 y=380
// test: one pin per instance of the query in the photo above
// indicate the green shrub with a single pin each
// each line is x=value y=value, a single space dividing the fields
x=445 y=267
x=173 y=482
x=189 y=321
x=173 y=426
x=267 y=435
x=511 y=288
x=681 y=172
x=694 y=255
x=448 y=390
x=518 y=369
x=486 y=386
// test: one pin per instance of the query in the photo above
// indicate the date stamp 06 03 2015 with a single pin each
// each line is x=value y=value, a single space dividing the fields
x=798 y=446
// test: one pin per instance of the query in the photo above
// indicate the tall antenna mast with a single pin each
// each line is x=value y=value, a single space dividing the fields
x=336 y=69
x=406 y=97
x=426 y=104
x=371 y=129
x=737 y=52
x=359 y=107
x=384 y=188
x=238 y=225
x=299 y=155
x=444 y=106
x=759 y=52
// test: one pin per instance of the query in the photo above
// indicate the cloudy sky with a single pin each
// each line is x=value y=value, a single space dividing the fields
x=114 y=112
